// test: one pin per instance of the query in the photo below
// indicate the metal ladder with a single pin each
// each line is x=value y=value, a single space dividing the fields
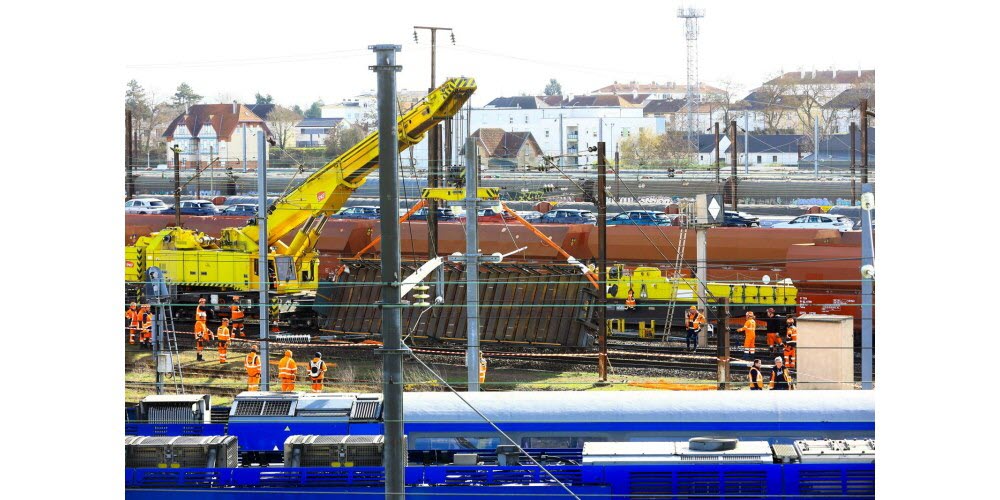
x=675 y=279
x=160 y=297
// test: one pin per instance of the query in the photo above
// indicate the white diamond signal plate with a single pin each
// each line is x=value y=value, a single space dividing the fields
x=714 y=208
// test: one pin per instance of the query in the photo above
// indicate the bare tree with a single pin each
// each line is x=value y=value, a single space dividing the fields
x=652 y=149
x=727 y=99
x=282 y=121
x=768 y=100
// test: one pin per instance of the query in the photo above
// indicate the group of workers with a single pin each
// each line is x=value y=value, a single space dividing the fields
x=203 y=334
x=139 y=322
x=775 y=344
x=781 y=378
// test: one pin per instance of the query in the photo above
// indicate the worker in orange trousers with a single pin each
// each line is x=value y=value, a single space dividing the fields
x=237 y=314
x=132 y=319
x=222 y=336
x=750 y=329
x=286 y=372
x=252 y=364
x=146 y=326
x=791 y=342
x=317 y=369
x=201 y=332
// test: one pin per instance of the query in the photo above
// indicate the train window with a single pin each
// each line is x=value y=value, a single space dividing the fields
x=454 y=443
x=553 y=442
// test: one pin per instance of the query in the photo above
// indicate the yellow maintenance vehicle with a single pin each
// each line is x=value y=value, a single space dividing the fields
x=196 y=263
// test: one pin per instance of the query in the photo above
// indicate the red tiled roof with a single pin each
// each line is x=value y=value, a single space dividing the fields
x=499 y=143
x=822 y=77
x=221 y=117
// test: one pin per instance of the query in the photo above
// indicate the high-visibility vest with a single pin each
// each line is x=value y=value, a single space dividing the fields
x=317 y=368
x=252 y=363
x=200 y=315
x=286 y=369
x=222 y=334
x=482 y=370
x=147 y=321
x=793 y=335
x=237 y=313
x=133 y=316
x=698 y=321
x=750 y=326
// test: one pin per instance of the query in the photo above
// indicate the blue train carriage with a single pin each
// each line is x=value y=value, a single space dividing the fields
x=697 y=468
x=439 y=423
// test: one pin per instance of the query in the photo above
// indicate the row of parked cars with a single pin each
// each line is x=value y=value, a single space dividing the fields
x=188 y=207
x=556 y=216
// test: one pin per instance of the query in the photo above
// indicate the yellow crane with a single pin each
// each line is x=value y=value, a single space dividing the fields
x=196 y=262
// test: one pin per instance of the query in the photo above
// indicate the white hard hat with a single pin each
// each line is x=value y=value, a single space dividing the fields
x=778 y=359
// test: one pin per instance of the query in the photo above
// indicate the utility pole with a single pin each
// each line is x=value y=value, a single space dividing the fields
x=177 y=185
x=618 y=178
x=211 y=173
x=434 y=158
x=732 y=178
x=394 y=456
x=690 y=17
x=263 y=246
x=864 y=142
x=722 y=345
x=854 y=149
x=867 y=287
x=746 y=143
x=718 y=157
x=816 y=148
x=602 y=261
x=701 y=219
x=472 y=353
x=129 y=180
x=244 y=149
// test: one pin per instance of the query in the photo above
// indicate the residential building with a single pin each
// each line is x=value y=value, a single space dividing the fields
x=835 y=151
x=206 y=131
x=843 y=109
x=668 y=90
x=824 y=85
x=508 y=150
x=311 y=132
x=782 y=149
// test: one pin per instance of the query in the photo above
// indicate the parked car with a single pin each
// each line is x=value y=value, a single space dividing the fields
x=640 y=218
x=740 y=219
x=529 y=215
x=568 y=216
x=195 y=207
x=359 y=212
x=241 y=209
x=443 y=214
x=818 y=221
x=490 y=214
x=145 y=206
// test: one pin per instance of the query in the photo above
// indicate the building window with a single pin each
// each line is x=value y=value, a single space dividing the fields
x=525 y=118
x=774 y=159
x=511 y=120
x=546 y=134
x=758 y=159
x=701 y=157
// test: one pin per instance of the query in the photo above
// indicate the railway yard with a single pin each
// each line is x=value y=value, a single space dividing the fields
x=537 y=327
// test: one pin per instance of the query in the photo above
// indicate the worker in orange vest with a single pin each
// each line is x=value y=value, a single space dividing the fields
x=132 y=320
x=317 y=368
x=772 y=324
x=286 y=372
x=791 y=341
x=222 y=336
x=252 y=364
x=750 y=329
x=630 y=300
x=146 y=325
x=201 y=332
x=237 y=317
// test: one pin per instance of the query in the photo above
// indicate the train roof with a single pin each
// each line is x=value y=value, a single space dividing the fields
x=643 y=406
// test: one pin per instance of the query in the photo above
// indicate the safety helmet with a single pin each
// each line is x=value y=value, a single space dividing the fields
x=132 y=305
x=770 y=309
x=145 y=306
x=693 y=308
x=318 y=354
x=253 y=348
x=778 y=360
x=749 y=314
x=201 y=300
x=288 y=354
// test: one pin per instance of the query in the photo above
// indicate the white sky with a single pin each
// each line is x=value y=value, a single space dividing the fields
x=301 y=51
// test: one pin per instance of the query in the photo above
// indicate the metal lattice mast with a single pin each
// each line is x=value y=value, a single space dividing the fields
x=691 y=16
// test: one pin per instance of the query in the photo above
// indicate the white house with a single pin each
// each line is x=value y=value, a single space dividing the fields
x=312 y=132
x=207 y=131
x=843 y=109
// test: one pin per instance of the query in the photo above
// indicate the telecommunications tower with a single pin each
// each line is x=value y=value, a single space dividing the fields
x=691 y=16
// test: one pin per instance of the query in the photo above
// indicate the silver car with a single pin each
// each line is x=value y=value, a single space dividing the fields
x=818 y=221
x=145 y=206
